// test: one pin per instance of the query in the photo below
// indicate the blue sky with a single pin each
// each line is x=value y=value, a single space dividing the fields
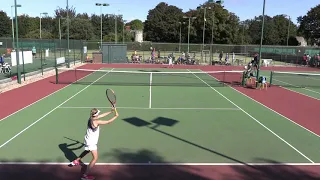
x=138 y=9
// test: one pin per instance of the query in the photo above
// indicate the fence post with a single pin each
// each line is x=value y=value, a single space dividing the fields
x=23 y=70
x=41 y=58
x=74 y=54
x=55 y=62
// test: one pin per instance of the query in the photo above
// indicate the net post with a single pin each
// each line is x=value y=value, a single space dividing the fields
x=243 y=78
x=271 y=76
x=57 y=75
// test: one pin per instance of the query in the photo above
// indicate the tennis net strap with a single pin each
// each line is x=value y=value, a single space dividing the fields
x=295 y=79
x=147 y=77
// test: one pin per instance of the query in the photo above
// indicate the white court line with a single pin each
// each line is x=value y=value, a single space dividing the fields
x=51 y=111
x=297 y=86
x=254 y=119
x=166 y=164
x=144 y=108
x=40 y=99
x=150 y=91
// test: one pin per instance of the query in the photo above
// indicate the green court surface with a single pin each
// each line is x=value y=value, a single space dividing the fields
x=182 y=124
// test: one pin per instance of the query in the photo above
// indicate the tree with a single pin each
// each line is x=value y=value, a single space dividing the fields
x=5 y=24
x=282 y=24
x=310 y=25
x=225 y=27
x=79 y=29
x=26 y=24
x=60 y=12
x=135 y=24
x=162 y=24
x=35 y=34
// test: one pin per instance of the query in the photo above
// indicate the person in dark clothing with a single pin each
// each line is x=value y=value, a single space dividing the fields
x=2 y=60
x=255 y=61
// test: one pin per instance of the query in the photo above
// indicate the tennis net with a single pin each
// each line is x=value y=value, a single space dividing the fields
x=146 y=78
x=295 y=79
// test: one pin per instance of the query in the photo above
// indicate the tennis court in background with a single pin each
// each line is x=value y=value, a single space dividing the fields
x=186 y=117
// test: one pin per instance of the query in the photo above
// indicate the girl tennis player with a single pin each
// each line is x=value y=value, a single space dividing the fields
x=91 y=138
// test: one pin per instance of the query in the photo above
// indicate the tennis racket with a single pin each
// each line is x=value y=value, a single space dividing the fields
x=112 y=98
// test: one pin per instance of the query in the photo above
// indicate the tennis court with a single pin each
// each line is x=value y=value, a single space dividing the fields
x=166 y=116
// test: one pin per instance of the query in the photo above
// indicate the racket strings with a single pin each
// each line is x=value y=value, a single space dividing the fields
x=111 y=96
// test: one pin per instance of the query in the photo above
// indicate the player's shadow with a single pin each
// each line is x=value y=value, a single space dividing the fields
x=68 y=149
x=163 y=121
x=146 y=171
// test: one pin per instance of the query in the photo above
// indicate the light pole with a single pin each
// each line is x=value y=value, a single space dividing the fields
x=261 y=40
x=124 y=23
x=288 y=35
x=101 y=4
x=116 y=27
x=180 y=35
x=12 y=24
x=185 y=17
x=211 y=47
x=204 y=24
x=17 y=42
x=68 y=36
x=44 y=13
x=60 y=36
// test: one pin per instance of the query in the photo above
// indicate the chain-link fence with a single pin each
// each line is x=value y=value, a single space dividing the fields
x=48 y=50
x=207 y=54
x=37 y=56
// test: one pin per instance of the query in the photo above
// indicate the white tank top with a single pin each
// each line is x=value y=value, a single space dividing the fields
x=92 y=134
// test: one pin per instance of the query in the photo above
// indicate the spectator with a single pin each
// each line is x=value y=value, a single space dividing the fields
x=227 y=58
x=233 y=57
x=34 y=52
x=305 y=59
x=308 y=59
x=2 y=60
x=221 y=55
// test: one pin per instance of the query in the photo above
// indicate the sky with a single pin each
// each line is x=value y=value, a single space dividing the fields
x=138 y=9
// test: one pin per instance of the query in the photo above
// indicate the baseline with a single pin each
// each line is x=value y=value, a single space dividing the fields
x=154 y=108
x=166 y=164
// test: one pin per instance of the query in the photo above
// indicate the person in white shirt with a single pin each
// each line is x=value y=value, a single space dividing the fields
x=92 y=137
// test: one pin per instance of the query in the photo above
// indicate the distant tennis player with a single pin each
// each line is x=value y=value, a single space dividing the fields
x=170 y=61
x=91 y=139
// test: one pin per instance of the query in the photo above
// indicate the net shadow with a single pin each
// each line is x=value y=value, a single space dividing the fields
x=171 y=122
x=276 y=172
